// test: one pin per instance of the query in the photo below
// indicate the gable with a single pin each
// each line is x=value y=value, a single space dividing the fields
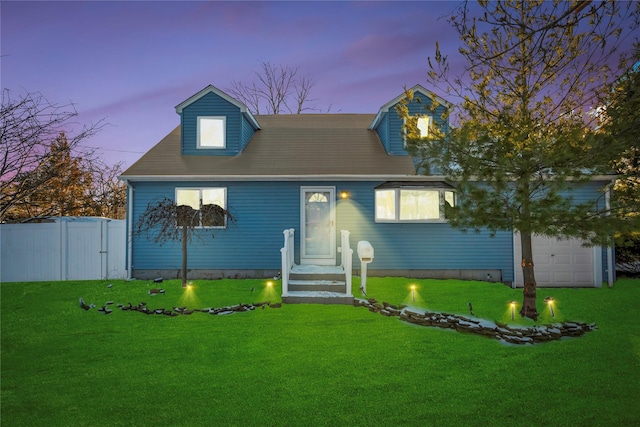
x=214 y=124
x=388 y=124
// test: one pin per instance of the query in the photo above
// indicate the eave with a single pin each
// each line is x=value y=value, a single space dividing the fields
x=345 y=177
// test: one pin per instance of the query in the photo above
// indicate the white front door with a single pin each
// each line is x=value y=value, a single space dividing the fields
x=317 y=225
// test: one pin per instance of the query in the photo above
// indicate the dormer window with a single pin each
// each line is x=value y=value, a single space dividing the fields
x=424 y=123
x=212 y=132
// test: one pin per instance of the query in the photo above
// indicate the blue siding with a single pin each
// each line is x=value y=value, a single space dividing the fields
x=383 y=131
x=212 y=105
x=264 y=209
x=247 y=132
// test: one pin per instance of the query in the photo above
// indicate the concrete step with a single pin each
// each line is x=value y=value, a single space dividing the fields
x=316 y=272
x=318 y=285
x=317 y=297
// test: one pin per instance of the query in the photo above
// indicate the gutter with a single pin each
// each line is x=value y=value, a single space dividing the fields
x=129 y=229
x=610 y=260
x=341 y=177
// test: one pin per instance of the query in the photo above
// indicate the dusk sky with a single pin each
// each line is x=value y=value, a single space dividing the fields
x=131 y=63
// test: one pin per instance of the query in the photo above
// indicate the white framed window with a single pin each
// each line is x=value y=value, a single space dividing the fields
x=412 y=204
x=204 y=201
x=212 y=132
x=423 y=125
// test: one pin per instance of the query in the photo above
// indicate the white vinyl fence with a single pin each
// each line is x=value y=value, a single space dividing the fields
x=69 y=249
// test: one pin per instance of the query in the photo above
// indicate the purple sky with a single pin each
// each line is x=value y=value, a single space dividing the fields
x=131 y=63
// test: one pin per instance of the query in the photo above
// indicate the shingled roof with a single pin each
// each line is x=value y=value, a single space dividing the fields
x=287 y=146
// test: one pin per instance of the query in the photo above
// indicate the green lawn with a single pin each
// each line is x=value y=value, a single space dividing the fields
x=302 y=365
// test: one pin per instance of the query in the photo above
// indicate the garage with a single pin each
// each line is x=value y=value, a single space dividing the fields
x=561 y=263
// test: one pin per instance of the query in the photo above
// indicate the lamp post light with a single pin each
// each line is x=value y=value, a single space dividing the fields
x=513 y=309
x=549 y=302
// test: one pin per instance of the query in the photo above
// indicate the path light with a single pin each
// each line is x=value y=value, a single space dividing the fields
x=269 y=284
x=549 y=302
x=513 y=309
x=413 y=293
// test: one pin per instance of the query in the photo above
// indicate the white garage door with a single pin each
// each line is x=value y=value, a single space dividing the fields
x=561 y=262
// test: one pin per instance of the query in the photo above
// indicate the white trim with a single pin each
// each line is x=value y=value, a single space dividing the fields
x=224 y=190
x=129 y=230
x=398 y=204
x=209 y=89
x=342 y=177
x=199 y=145
x=597 y=266
x=417 y=88
x=163 y=178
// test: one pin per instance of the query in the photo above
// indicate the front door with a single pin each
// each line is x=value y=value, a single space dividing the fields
x=318 y=233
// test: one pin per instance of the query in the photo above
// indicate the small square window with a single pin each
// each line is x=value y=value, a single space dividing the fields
x=211 y=132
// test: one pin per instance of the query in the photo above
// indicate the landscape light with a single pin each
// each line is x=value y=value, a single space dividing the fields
x=269 y=284
x=513 y=309
x=413 y=293
x=549 y=302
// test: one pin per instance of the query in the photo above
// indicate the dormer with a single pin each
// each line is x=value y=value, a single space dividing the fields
x=214 y=124
x=389 y=125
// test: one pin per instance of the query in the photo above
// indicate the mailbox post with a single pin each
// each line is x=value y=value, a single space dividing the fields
x=365 y=253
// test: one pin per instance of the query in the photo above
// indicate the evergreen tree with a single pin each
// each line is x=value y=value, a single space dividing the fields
x=524 y=137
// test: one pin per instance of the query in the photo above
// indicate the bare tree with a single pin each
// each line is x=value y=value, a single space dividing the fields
x=29 y=126
x=278 y=89
x=164 y=221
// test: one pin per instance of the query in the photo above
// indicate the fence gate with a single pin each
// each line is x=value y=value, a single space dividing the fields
x=68 y=249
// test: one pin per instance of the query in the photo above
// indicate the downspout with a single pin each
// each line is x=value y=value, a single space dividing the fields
x=129 y=229
x=610 y=261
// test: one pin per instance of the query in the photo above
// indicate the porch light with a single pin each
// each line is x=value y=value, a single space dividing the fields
x=513 y=309
x=344 y=194
x=549 y=302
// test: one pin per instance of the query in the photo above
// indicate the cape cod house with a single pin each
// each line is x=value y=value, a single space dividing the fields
x=304 y=189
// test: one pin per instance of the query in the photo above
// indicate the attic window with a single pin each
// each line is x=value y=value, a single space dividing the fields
x=212 y=131
x=424 y=122
x=423 y=125
x=413 y=202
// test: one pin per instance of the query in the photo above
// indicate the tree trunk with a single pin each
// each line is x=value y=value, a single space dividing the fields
x=184 y=255
x=529 y=301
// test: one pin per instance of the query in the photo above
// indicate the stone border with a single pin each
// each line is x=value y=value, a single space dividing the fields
x=177 y=311
x=496 y=330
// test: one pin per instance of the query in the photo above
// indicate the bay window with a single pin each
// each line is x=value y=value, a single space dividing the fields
x=413 y=202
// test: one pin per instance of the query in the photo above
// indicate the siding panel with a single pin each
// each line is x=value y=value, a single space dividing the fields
x=264 y=209
x=211 y=105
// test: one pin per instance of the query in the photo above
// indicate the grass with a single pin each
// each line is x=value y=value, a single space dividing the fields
x=310 y=364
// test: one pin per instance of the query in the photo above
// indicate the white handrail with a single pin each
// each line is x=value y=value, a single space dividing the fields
x=287 y=252
x=347 y=258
